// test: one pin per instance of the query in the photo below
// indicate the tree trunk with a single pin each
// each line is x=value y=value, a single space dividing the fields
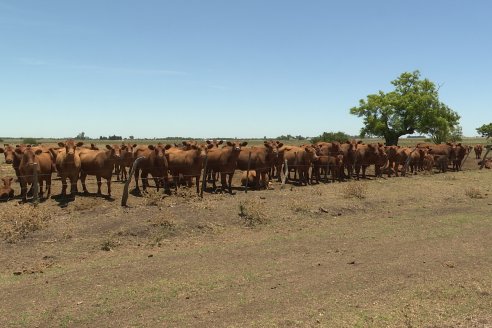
x=391 y=140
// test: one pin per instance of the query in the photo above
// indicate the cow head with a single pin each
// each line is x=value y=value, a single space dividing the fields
x=311 y=153
x=160 y=153
x=114 y=151
x=8 y=151
x=70 y=147
x=127 y=151
x=28 y=155
x=236 y=145
x=215 y=143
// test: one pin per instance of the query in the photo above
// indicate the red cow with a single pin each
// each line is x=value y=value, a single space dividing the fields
x=224 y=161
x=67 y=161
x=99 y=163
x=154 y=162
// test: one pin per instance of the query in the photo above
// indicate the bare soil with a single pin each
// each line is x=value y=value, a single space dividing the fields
x=412 y=251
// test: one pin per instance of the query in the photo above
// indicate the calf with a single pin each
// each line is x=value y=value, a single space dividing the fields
x=126 y=160
x=154 y=162
x=99 y=163
x=6 y=191
x=428 y=163
x=224 y=161
x=442 y=162
x=68 y=164
x=477 y=149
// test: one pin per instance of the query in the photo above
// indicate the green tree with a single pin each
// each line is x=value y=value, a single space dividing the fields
x=331 y=136
x=29 y=141
x=485 y=130
x=413 y=106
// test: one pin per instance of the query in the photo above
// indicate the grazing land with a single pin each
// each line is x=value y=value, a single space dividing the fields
x=400 y=252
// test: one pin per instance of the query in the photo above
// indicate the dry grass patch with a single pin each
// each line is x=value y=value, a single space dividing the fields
x=252 y=213
x=355 y=190
x=16 y=222
x=473 y=192
x=153 y=197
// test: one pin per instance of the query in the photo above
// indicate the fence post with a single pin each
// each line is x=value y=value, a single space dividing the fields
x=247 y=173
x=35 y=184
x=124 y=197
x=286 y=168
x=485 y=157
x=204 y=180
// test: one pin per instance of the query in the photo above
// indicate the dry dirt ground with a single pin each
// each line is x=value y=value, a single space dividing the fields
x=399 y=252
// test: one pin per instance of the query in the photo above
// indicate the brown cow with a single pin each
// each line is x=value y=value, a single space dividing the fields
x=67 y=161
x=187 y=162
x=326 y=152
x=460 y=153
x=447 y=149
x=477 y=149
x=154 y=162
x=224 y=161
x=8 y=152
x=44 y=168
x=370 y=154
x=348 y=150
x=428 y=163
x=6 y=191
x=442 y=162
x=126 y=160
x=262 y=159
x=215 y=144
x=300 y=160
x=99 y=163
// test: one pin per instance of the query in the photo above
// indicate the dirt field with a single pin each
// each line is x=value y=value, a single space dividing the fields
x=410 y=252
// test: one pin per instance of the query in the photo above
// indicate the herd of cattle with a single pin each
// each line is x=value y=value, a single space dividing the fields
x=179 y=164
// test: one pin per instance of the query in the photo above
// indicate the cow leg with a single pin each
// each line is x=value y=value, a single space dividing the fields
x=64 y=185
x=23 y=184
x=83 y=176
x=229 y=182
x=357 y=171
x=108 y=181
x=223 y=182
x=364 y=167
x=40 y=192
x=48 y=187
x=99 y=183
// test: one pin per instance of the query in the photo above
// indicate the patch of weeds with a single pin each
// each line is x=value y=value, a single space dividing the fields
x=16 y=222
x=152 y=197
x=473 y=192
x=108 y=245
x=448 y=177
x=251 y=213
x=355 y=190
x=163 y=228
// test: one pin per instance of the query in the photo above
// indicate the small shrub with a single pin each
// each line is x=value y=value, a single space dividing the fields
x=251 y=214
x=473 y=192
x=30 y=141
x=355 y=190
x=108 y=245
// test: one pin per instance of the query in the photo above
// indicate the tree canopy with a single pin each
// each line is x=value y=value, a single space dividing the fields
x=413 y=106
x=485 y=130
x=331 y=136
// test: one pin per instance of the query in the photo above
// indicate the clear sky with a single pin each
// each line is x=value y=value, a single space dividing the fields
x=232 y=68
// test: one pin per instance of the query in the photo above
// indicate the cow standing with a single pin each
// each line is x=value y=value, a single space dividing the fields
x=224 y=161
x=68 y=164
x=44 y=168
x=154 y=162
x=262 y=159
x=99 y=163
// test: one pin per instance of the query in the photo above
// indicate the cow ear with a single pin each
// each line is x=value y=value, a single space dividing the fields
x=1 y=150
x=151 y=147
x=108 y=147
x=80 y=143
x=38 y=151
x=229 y=144
x=18 y=151
x=220 y=142
x=244 y=143
x=210 y=146
x=134 y=145
x=61 y=144
x=279 y=144
x=266 y=144
x=167 y=146
x=185 y=143
x=208 y=142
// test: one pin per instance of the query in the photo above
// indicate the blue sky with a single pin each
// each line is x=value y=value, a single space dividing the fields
x=231 y=68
